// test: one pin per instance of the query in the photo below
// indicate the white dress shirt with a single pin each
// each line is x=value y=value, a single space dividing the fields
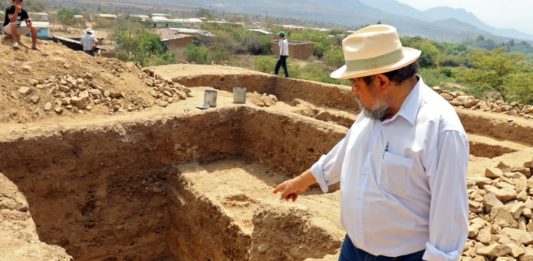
x=88 y=41
x=403 y=180
x=283 y=47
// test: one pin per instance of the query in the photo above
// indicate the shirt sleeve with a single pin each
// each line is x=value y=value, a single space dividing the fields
x=449 y=198
x=327 y=170
x=24 y=15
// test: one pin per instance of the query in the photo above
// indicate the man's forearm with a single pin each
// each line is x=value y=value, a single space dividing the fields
x=307 y=178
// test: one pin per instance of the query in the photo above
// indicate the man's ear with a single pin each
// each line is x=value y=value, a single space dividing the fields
x=383 y=81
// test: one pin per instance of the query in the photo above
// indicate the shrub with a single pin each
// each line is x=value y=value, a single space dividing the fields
x=197 y=54
x=218 y=54
x=519 y=87
x=66 y=16
x=135 y=43
x=265 y=64
x=334 y=57
x=437 y=77
x=494 y=70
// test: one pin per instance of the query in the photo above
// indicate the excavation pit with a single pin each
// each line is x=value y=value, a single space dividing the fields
x=185 y=184
x=191 y=187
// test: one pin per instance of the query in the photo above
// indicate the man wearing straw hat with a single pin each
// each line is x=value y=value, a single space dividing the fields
x=401 y=166
x=89 y=42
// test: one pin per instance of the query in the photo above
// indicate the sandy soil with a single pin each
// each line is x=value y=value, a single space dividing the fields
x=39 y=72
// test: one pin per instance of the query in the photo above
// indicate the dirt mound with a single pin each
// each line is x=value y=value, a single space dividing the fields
x=58 y=82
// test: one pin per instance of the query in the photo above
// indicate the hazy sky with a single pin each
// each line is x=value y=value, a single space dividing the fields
x=514 y=14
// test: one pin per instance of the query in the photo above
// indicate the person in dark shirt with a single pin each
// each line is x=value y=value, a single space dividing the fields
x=13 y=24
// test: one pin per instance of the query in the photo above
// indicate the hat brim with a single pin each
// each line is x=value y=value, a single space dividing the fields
x=409 y=56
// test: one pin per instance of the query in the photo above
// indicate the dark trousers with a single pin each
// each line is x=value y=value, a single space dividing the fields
x=90 y=52
x=283 y=63
x=351 y=253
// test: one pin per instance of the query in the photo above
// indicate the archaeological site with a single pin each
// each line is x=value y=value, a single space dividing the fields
x=103 y=160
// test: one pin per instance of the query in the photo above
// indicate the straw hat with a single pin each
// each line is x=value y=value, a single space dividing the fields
x=373 y=50
x=89 y=30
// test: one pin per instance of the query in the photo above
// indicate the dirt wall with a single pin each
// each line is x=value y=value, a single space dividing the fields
x=339 y=97
x=298 y=142
x=319 y=94
x=257 y=83
x=199 y=229
x=18 y=238
x=97 y=191
x=498 y=128
x=283 y=233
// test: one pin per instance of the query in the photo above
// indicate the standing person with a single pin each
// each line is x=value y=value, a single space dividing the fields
x=89 y=42
x=283 y=53
x=13 y=24
x=401 y=166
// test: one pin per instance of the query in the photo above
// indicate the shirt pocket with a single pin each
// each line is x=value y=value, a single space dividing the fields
x=395 y=174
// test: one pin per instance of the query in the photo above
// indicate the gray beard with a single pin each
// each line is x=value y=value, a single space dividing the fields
x=378 y=113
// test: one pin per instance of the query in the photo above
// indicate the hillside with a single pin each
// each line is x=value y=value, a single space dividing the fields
x=56 y=82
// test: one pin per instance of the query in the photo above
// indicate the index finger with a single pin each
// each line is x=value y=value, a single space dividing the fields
x=279 y=188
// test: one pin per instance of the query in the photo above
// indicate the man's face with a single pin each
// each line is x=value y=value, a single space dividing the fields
x=370 y=98
x=17 y=2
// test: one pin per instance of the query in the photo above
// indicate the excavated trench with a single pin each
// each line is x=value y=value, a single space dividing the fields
x=115 y=191
x=196 y=185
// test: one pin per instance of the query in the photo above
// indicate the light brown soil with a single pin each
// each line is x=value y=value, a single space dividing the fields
x=180 y=183
x=21 y=67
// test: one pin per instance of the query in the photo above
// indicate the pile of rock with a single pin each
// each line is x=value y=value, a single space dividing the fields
x=501 y=214
x=75 y=93
x=165 y=91
x=81 y=93
x=116 y=67
x=460 y=99
x=262 y=100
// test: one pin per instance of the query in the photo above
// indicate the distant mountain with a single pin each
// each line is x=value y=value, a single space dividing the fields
x=395 y=7
x=444 y=24
x=444 y=14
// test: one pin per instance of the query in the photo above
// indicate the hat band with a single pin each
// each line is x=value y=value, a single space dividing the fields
x=375 y=62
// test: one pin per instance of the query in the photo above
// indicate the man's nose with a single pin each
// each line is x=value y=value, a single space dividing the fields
x=354 y=90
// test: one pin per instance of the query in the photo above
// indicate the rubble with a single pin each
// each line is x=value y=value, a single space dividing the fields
x=74 y=84
x=78 y=93
x=461 y=100
x=501 y=206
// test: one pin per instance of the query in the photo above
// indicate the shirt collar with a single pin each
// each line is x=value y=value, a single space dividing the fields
x=410 y=106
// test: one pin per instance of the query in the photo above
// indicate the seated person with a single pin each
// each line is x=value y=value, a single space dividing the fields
x=13 y=24
x=89 y=42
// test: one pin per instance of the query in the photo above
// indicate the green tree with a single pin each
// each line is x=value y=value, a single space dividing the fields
x=197 y=54
x=334 y=57
x=492 y=70
x=430 y=53
x=66 y=15
x=135 y=43
x=520 y=87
